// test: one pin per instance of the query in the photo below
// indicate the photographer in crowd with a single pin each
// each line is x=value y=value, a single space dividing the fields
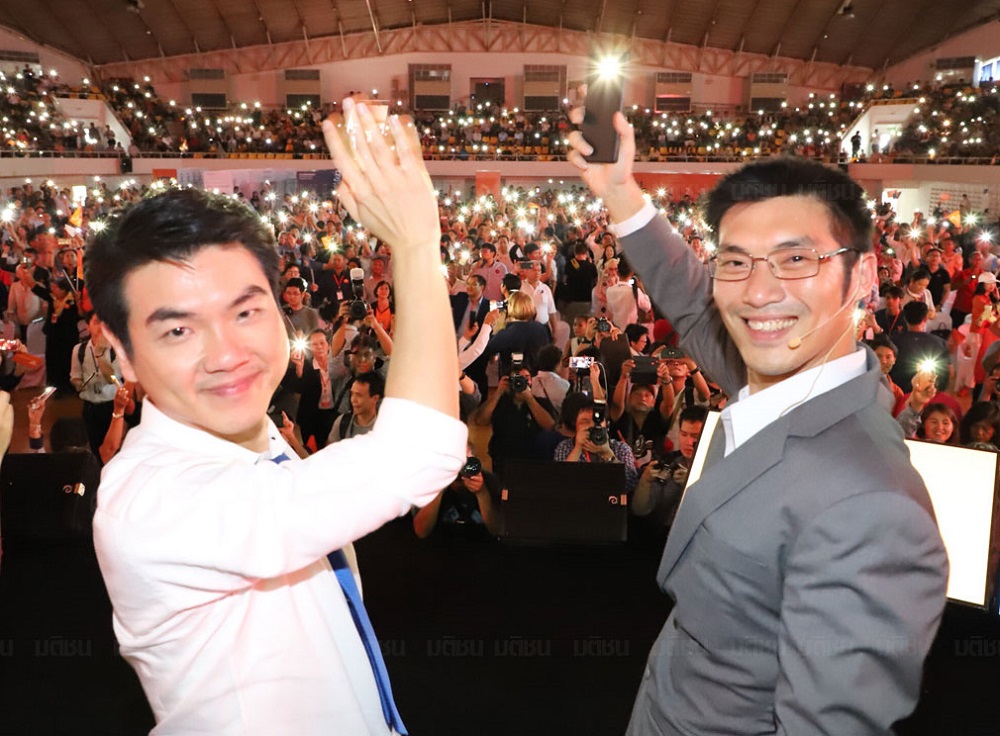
x=469 y=507
x=662 y=483
x=516 y=417
x=592 y=443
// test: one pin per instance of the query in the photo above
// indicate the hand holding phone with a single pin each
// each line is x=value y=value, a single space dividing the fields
x=605 y=90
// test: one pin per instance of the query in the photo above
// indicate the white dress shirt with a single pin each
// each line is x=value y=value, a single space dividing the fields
x=215 y=561
x=746 y=417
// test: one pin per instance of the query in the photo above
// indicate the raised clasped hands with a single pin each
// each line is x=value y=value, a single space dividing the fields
x=385 y=183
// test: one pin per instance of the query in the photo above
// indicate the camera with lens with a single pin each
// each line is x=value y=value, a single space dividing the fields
x=640 y=446
x=603 y=325
x=598 y=434
x=357 y=308
x=675 y=471
x=518 y=383
x=473 y=467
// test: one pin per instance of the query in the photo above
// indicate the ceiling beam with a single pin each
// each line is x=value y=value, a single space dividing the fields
x=784 y=27
x=743 y=33
x=263 y=23
x=180 y=17
x=600 y=16
x=371 y=15
x=863 y=25
x=907 y=31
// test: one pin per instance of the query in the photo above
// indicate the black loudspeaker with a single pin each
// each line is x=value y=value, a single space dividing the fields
x=48 y=498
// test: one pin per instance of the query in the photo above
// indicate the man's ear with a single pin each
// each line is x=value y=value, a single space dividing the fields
x=867 y=275
x=123 y=359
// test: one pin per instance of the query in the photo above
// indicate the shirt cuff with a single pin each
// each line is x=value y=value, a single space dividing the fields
x=636 y=222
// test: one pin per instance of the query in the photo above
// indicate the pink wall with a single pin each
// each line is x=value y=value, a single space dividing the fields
x=982 y=42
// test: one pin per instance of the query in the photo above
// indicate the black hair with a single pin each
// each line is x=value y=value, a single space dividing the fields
x=488 y=246
x=980 y=412
x=883 y=341
x=548 y=357
x=298 y=282
x=786 y=176
x=572 y=405
x=633 y=332
x=170 y=227
x=894 y=292
x=530 y=248
x=692 y=414
x=69 y=434
x=374 y=382
x=477 y=278
x=511 y=282
x=919 y=275
x=915 y=312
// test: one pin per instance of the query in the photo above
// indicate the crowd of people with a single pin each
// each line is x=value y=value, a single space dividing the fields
x=556 y=349
x=951 y=121
x=552 y=327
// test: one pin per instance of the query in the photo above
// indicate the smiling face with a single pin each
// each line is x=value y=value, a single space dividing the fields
x=763 y=313
x=938 y=427
x=208 y=342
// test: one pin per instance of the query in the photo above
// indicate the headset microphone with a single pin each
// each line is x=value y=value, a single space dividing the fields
x=796 y=342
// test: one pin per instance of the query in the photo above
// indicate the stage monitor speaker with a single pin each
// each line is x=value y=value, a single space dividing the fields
x=564 y=502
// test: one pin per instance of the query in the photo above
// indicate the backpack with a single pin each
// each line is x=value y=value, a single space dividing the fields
x=83 y=345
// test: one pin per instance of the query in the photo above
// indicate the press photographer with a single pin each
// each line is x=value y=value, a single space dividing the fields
x=593 y=444
x=516 y=417
x=468 y=508
x=662 y=483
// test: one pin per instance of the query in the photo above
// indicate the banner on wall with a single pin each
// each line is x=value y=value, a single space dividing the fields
x=678 y=186
x=488 y=182
x=164 y=174
x=323 y=182
x=220 y=182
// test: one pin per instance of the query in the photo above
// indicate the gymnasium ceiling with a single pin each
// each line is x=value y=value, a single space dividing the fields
x=868 y=33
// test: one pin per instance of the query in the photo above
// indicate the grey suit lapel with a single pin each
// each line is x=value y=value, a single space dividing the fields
x=720 y=481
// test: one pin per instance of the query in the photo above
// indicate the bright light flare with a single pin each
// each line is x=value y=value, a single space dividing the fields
x=609 y=67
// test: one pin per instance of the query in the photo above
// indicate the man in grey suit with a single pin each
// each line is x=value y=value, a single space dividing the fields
x=806 y=564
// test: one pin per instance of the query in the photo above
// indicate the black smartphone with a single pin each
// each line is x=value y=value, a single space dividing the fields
x=605 y=90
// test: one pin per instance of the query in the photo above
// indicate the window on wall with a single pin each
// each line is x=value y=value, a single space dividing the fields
x=297 y=101
x=672 y=103
x=209 y=100
x=430 y=86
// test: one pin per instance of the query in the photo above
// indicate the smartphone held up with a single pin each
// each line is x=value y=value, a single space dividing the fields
x=605 y=91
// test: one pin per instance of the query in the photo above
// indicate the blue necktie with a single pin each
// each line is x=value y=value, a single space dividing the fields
x=338 y=561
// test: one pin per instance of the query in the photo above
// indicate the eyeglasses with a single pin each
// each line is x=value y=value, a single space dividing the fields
x=785 y=263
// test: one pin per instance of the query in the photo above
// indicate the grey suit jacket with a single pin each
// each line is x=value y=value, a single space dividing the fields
x=807 y=568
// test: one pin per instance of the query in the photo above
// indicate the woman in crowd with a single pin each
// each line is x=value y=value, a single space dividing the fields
x=521 y=335
x=980 y=425
x=939 y=424
x=383 y=307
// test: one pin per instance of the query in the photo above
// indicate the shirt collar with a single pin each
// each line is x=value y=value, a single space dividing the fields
x=751 y=413
x=199 y=442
